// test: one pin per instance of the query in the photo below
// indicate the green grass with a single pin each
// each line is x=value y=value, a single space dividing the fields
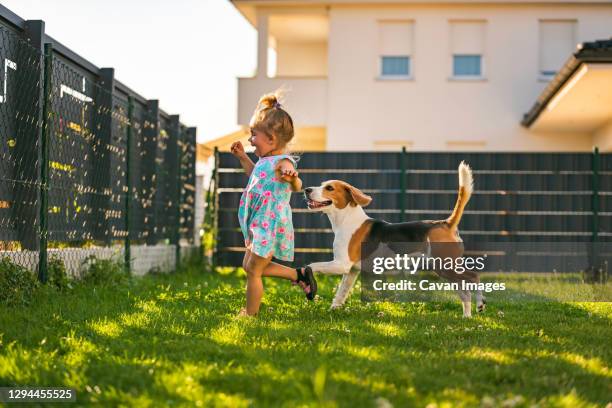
x=174 y=340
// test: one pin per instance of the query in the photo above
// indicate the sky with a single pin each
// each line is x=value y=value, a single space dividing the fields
x=186 y=53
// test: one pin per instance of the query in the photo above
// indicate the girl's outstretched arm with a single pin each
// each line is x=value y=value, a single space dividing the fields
x=296 y=184
x=245 y=161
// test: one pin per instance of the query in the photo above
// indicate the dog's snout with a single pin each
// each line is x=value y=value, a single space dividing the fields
x=308 y=190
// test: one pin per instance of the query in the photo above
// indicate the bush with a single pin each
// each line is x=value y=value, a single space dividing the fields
x=17 y=284
x=104 y=272
x=58 y=276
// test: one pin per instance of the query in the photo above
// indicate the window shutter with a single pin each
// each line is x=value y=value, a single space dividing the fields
x=557 y=42
x=395 y=38
x=467 y=37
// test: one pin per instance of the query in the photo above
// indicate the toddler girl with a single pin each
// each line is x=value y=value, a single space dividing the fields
x=264 y=212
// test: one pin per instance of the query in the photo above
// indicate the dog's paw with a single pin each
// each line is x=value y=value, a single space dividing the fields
x=335 y=307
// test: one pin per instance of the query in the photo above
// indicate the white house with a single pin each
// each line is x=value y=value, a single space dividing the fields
x=427 y=75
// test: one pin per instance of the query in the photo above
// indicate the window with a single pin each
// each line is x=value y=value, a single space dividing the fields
x=467 y=48
x=557 y=42
x=395 y=66
x=395 y=49
x=467 y=65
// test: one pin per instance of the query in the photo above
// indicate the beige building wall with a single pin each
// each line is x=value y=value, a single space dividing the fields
x=309 y=139
x=293 y=59
x=432 y=111
x=603 y=138
x=306 y=98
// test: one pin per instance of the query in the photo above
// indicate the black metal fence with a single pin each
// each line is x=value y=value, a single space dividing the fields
x=518 y=197
x=84 y=159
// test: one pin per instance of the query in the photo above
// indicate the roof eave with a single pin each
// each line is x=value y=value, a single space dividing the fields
x=590 y=52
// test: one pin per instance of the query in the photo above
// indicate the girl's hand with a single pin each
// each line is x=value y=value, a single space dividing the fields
x=286 y=171
x=238 y=150
x=288 y=175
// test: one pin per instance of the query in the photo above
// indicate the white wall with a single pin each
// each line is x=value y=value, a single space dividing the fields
x=301 y=59
x=431 y=110
x=143 y=258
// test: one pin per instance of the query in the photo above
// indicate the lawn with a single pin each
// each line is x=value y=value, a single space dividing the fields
x=174 y=340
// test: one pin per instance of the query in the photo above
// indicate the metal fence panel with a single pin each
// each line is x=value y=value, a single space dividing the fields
x=20 y=104
x=518 y=197
x=68 y=178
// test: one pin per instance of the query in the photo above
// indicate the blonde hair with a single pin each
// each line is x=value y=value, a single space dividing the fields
x=270 y=117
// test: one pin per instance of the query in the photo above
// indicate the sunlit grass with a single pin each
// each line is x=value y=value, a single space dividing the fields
x=175 y=340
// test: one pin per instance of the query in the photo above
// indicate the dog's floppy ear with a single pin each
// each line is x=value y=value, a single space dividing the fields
x=357 y=196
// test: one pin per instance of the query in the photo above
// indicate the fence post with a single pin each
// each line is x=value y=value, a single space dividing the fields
x=103 y=123
x=28 y=151
x=595 y=217
x=403 y=184
x=128 y=183
x=44 y=164
x=151 y=136
x=192 y=147
x=175 y=125
x=216 y=209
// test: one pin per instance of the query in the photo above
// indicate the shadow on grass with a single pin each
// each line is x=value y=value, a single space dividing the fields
x=174 y=338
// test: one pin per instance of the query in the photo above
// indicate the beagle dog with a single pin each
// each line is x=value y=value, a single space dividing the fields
x=344 y=204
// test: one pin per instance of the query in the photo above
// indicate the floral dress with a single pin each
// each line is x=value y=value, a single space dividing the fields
x=265 y=213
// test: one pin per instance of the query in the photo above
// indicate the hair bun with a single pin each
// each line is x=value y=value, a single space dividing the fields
x=271 y=100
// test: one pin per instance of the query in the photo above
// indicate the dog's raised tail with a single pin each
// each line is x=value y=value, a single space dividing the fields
x=466 y=182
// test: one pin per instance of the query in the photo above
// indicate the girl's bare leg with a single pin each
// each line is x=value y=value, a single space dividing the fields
x=280 y=271
x=254 y=292
x=245 y=260
x=273 y=269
